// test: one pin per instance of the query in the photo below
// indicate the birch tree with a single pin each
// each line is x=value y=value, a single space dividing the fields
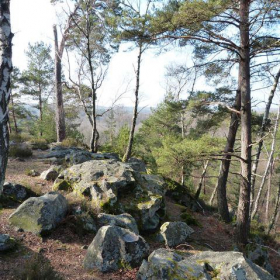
x=5 y=76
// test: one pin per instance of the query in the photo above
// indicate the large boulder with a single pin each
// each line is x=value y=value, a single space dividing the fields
x=175 y=233
x=113 y=248
x=163 y=264
x=15 y=192
x=123 y=220
x=100 y=180
x=6 y=243
x=40 y=214
x=115 y=188
x=167 y=265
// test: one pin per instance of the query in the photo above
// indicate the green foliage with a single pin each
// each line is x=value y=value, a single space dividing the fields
x=46 y=126
x=37 y=268
x=39 y=143
x=119 y=142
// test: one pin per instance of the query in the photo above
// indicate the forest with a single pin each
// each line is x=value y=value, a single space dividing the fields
x=187 y=189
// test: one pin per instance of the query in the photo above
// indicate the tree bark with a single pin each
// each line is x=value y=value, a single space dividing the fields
x=135 y=112
x=268 y=166
x=211 y=200
x=262 y=133
x=5 y=83
x=243 y=222
x=13 y=114
x=60 y=115
x=225 y=164
x=198 y=190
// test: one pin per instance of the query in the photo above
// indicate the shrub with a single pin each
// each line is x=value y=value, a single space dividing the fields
x=39 y=143
x=37 y=268
x=72 y=142
x=20 y=150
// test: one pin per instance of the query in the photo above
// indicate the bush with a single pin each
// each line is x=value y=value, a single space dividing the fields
x=39 y=143
x=37 y=268
x=71 y=142
x=20 y=150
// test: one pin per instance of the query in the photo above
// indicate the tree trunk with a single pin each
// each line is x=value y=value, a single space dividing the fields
x=268 y=166
x=243 y=222
x=275 y=212
x=135 y=112
x=268 y=193
x=225 y=164
x=14 y=115
x=5 y=82
x=198 y=190
x=41 y=112
x=262 y=133
x=211 y=200
x=60 y=116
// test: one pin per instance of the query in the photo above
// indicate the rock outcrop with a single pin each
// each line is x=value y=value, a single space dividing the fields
x=113 y=248
x=40 y=214
x=116 y=188
x=51 y=174
x=163 y=264
x=175 y=233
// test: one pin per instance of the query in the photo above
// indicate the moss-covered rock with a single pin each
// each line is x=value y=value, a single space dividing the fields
x=40 y=214
x=113 y=248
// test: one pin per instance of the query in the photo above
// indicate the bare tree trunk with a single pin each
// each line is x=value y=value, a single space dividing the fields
x=128 y=152
x=60 y=115
x=198 y=190
x=262 y=133
x=41 y=112
x=268 y=166
x=211 y=200
x=275 y=212
x=14 y=115
x=225 y=164
x=5 y=82
x=268 y=193
x=243 y=221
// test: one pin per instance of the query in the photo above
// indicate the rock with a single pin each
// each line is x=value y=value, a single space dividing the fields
x=163 y=264
x=15 y=192
x=6 y=243
x=100 y=180
x=124 y=221
x=116 y=188
x=149 y=218
x=137 y=165
x=40 y=214
x=51 y=174
x=154 y=184
x=166 y=265
x=84 y=222
x=33 y=173
x=259 y=255
x=113 y=248
x=175 y=233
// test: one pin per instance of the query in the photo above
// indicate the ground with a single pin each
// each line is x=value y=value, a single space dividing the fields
x=64 y=247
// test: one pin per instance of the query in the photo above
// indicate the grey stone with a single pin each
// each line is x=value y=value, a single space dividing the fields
x=16 y=192
x=6 y=243
x=175 y=233
x=40 y=214
x=50 y=174
x=163 y=264
x=166 y=265
x=113 y=248
x=124 y=220
x=137 y=165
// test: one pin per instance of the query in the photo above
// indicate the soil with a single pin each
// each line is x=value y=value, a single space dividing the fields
x=64 y=247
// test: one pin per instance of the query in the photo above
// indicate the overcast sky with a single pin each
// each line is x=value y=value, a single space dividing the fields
x=32 y=21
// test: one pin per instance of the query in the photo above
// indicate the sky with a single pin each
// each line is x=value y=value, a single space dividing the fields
x=32 y=21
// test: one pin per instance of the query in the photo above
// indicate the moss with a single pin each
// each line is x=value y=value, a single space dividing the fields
x=62 y=186
x=122 y=264
x=25 y=223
